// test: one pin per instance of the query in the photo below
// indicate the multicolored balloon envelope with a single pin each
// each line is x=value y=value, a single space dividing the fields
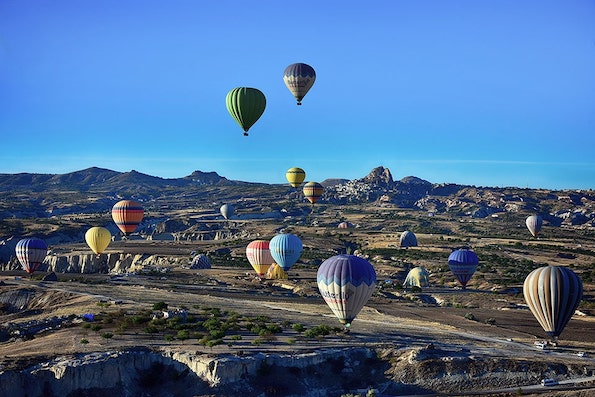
x=226 y=210
x=346 y=282
x=31 y=252
x=127 y=214
x=534 y=223
x=98 y=238
x=245 y=105
x=463 y=263
x=553 y=293
x=259 y=256
x=295 y=176
x=286 y=249
x=299 y=78
x=313 y=191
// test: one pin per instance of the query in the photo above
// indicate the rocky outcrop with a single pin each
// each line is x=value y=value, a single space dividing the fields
x=105 y=263
x=330 y=371
x=142 y=371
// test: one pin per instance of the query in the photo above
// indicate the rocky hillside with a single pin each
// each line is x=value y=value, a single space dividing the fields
x=92 y=192
x=557 y=207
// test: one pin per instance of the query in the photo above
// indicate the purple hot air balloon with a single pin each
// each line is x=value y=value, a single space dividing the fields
x=31 y=252
x=346 y=282
x=463 y=263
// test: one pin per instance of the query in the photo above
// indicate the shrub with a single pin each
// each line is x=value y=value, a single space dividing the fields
x=160 y=305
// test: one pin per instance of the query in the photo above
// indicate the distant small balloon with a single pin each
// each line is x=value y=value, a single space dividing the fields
x=313 y=191
x=226 y=210
x=534 y=223
x=408 y=239
x=295 y=176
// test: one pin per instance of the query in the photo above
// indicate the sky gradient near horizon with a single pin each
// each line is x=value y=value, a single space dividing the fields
x=485 y=93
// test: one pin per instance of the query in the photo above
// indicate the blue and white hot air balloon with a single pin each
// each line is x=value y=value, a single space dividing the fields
x=285 y=249
x=346 y=282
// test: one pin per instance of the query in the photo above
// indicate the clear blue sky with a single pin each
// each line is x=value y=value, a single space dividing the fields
x=487 y=93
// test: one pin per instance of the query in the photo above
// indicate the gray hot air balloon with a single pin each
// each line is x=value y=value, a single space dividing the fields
x=408 y=239
x=553 y=293
x=226 y=210
x=534 y=223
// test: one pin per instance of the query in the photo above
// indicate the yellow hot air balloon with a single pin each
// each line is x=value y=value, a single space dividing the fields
x=98 y=238
x=295 y=176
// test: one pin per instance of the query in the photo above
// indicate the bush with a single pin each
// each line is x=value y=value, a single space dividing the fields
x=470 y=316
x=160 y=305
x=107 y=335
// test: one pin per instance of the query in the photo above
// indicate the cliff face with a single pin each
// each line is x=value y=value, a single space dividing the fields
x=105 y=263
x=324 y=372
x=144 y=372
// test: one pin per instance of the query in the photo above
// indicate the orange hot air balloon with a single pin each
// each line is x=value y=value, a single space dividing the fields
x=313 y=191
x=127 y=214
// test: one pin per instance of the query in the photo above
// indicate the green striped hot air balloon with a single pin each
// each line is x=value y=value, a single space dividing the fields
x=245 y=105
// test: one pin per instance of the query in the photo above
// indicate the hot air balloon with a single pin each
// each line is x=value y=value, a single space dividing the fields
x=245 y=105
x=553 y=293
x=313 y=191
x=200 y=261
x=463 y=263
x=275 y=272
x=295 y=176
x=417 y=277
x=31 y=252
x=346 y=282
x=286 y=249
x=299 y=78
x=98 y=238
x=226 y=210
x=259 y=256
x=534 y=223
x=127 y=215
x=408 y=239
